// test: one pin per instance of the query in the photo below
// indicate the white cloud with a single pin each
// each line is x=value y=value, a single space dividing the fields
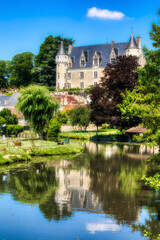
x=102 y=227
x=104 y=14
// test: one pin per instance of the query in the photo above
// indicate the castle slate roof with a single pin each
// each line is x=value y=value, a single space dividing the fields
x=132 y=43
x=61 y=50
x=103 y=49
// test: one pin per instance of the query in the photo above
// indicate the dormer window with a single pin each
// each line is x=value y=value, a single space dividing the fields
x=83 y=63
x=113 y=55
x=83 y=58
x=95 y=62
x=96 y=59
x=113 y=60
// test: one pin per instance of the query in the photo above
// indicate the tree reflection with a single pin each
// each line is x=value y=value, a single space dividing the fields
x=36 y=184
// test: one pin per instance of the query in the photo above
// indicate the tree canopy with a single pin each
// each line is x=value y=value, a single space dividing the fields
x=21 y=69
x=45 y=65
x=144 y=100
x=10 y=119
x=37 y=106
x=118 y=77
x=4 y=74
x=80 y=116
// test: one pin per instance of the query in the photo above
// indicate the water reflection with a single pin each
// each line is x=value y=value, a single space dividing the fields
x=103 y=180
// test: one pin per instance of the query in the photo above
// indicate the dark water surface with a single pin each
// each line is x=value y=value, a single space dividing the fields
x=96 y=195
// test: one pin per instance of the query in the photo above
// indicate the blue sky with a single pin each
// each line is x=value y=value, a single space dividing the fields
x=24 y=24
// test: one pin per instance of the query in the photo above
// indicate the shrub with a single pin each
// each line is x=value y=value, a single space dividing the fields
x=62 y=117
x=13 y=129
x=54 y=130
x=8 y=116
x=52 y=89
x=104 y=126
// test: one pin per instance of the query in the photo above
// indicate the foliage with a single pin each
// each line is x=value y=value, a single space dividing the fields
x=104 y=126
x=4 y=74
x=54 y=129
x=21 y=69
x=149 y=75
x=155 y=32
x=8 y=116
x=80 y=116
x=52 y=89
x=62 y=117
x=153 y=180
x=45 y=66
x=2 y=121
x=105 y=98
x=37 y=107
x=13 y=129
x=144 y=101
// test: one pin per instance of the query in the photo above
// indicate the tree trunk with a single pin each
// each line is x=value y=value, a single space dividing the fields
x=41 y=135
x=97 y=131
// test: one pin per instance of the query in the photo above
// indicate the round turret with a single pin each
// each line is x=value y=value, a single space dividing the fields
x=61 y=67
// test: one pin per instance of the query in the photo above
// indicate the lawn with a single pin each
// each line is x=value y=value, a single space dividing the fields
x=88 y=134
x=10 y=153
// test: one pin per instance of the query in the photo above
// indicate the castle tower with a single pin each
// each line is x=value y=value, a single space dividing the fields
x=61 y=67
x=132 y=47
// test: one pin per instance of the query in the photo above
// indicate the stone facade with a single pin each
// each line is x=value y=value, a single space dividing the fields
x=83 y=66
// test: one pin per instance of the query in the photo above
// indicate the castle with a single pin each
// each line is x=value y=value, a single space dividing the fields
x=83 y=66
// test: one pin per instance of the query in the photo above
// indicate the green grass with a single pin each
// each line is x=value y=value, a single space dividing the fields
x=87 y=135
x=11 y=154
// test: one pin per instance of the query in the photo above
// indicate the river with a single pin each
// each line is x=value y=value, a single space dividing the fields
x=96 y=195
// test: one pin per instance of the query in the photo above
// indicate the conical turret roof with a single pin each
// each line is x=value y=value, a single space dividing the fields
x=62 y=50
x=132 y=43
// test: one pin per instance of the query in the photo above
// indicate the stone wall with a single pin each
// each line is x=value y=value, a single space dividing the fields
x=68 y=127
x=88 y=80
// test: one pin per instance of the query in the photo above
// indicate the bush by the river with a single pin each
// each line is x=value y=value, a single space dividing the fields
x=13 y=130
x=54 y=129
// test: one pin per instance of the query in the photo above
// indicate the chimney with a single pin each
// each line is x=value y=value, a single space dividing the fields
x=70 y=47
x=112 y=43
x=138 y=40
x=5 y=102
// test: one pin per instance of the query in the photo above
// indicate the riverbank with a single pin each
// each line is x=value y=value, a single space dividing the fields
x=88 y=134
x=12 y=154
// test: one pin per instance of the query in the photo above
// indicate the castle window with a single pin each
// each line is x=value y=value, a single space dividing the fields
x=65 y=76
x=95 y=75
x=58 y=76
x=69 y=76
x=95 y=84
x=81 y=85
x=69 y=85
x=81 y=75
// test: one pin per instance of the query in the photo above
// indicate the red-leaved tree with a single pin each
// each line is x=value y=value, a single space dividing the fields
x=106 y=96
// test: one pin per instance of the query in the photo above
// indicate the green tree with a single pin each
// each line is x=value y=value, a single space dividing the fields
x=21 y=69
x=62 y=117
x=37 y=107
x=45 y=66
x=144 y=101
x=10 y=119
x=54 y=129
x=4 y=74
x=155 y=32
x=80 y=116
